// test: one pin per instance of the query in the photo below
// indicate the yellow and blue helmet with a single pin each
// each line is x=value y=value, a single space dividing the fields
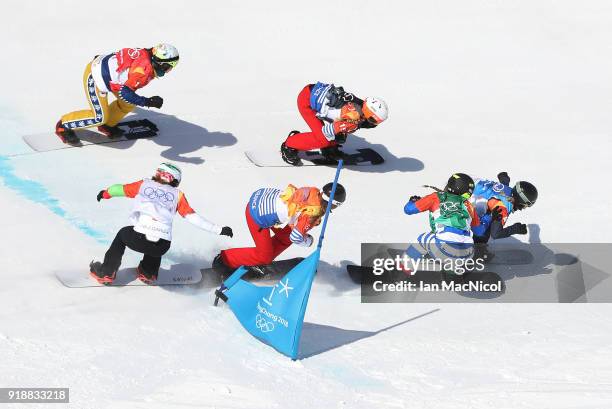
x=164 y=57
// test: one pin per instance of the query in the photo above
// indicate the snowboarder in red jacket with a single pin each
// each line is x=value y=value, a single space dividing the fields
x=332 y=114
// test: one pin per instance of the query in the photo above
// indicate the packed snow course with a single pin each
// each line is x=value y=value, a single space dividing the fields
x=475 y=86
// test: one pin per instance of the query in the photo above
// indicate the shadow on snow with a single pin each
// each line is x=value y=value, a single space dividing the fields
x=179 y=136
x=317 y=339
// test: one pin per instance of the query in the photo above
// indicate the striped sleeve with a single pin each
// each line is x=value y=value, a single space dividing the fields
x=267 y=202
x=128 y=95
x=323 y=94
x=296 y=236
x=328 y=131
x=299 y=235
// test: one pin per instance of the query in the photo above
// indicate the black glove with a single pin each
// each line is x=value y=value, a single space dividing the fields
x=348 y=97
x=503 y=178
x=227 y=231
x=519 y=228
x=155 y=102
x=340 y=138
x=338 y=97
x=414 y=198
x=496 y=214
x=100 y=195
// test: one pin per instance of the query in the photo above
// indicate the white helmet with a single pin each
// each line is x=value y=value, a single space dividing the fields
x=169 y=173
x=164 y=57
x=375 y=110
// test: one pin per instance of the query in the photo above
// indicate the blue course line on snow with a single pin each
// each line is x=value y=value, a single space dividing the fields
x=37 y=193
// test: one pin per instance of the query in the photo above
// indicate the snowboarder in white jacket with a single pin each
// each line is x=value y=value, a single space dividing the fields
x=157 y=200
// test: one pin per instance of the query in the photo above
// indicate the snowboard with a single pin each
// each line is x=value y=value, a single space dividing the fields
x=271 y=272
x=362 y=157
x=365 y=275
x=134 y=129
x=128 y=277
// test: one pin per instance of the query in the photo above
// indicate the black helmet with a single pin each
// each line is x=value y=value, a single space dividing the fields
x=339 y=196
x=524 y=194
x=460 y=184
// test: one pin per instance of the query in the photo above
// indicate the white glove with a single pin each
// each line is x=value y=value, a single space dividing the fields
x=308 y=240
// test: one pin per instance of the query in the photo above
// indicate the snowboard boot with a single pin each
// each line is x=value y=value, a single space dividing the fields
x=219 y=266
x=482 y=252
x=95 y=270
x=332 y=153
x=290 y=155
x=66 y=135
x=146 y=277
x=255 y=272
x=112 y=132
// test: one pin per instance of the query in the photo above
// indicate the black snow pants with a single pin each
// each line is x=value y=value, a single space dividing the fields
x=152 y=250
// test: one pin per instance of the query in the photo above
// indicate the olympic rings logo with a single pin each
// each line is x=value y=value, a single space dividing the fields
x=498 y=187
x=158 y=194
x=449 y=207
x=263 y=324
x=134 y=53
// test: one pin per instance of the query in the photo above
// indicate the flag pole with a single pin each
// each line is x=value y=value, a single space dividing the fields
x=329 y=204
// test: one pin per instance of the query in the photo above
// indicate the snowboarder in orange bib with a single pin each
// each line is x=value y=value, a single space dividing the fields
x=276 y=219
x=122 y=74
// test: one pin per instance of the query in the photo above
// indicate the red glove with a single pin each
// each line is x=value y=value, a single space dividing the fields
x=103 y=194
x=344 y=127
x=349 y=113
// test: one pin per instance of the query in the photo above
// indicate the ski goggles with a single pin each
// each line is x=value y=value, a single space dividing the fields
x=525 y=202
x=162 y=67
x=372 y=120
x=370 y=116
x=465 y=195
x=334 y=203
x=165 y=176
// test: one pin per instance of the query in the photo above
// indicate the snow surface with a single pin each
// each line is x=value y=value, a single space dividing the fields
x=473 y=86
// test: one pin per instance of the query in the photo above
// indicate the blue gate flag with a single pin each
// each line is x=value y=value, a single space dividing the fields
x=275 y=314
